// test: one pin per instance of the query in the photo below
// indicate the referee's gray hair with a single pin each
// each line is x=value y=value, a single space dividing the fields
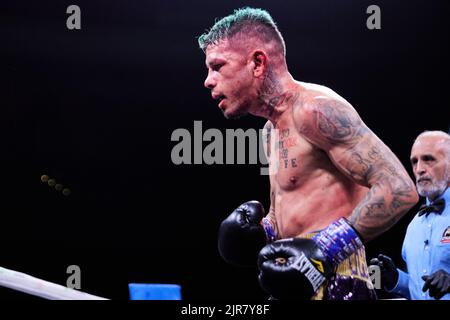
x=437 y=133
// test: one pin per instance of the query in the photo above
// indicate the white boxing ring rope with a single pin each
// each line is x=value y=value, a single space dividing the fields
x=25 y=283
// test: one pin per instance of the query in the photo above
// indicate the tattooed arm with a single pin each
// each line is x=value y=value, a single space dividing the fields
x=335 y=127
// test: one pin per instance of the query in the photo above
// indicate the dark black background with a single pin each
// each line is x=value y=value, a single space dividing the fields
x=95 y=109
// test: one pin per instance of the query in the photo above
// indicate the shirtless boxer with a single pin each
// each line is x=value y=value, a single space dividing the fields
x=337 y=185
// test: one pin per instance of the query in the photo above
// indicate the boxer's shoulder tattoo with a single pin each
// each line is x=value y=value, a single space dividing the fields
x=362 y=156
x=337 y=122
x=328 y=122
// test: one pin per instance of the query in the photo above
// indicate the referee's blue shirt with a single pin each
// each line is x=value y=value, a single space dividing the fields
x=426 y=249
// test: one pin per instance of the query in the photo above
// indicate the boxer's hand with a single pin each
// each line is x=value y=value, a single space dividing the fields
x=389 y=272
x=438 y=284
x=292 y=268
x=296 y=268
x=241 y=235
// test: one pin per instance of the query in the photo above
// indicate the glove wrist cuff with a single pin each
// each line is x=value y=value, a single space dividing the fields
x=338 y=241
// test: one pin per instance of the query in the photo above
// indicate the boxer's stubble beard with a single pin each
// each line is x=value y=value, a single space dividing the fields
x=268 y=97
x=240 y=112
x=235 y=116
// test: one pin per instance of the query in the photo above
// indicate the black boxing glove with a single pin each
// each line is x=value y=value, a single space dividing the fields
x=389 y=273
x=296 y=268
x=243 y=234
x=292 y=268
x=438 y=284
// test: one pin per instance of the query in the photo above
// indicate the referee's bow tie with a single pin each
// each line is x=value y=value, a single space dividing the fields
x=437 y=207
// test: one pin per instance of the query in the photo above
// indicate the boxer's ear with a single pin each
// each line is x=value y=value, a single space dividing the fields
x=259 y=59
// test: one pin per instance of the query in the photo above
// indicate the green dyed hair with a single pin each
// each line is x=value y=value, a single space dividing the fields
x=248 y=22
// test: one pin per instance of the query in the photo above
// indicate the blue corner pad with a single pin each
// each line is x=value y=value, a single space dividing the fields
x=154 y=291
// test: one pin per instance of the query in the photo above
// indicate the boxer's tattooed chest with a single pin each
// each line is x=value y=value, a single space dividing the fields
x=287 y=154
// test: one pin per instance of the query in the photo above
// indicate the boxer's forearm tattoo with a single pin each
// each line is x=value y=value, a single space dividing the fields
x=387 y=200
x=392 y=192
x=358 y=153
